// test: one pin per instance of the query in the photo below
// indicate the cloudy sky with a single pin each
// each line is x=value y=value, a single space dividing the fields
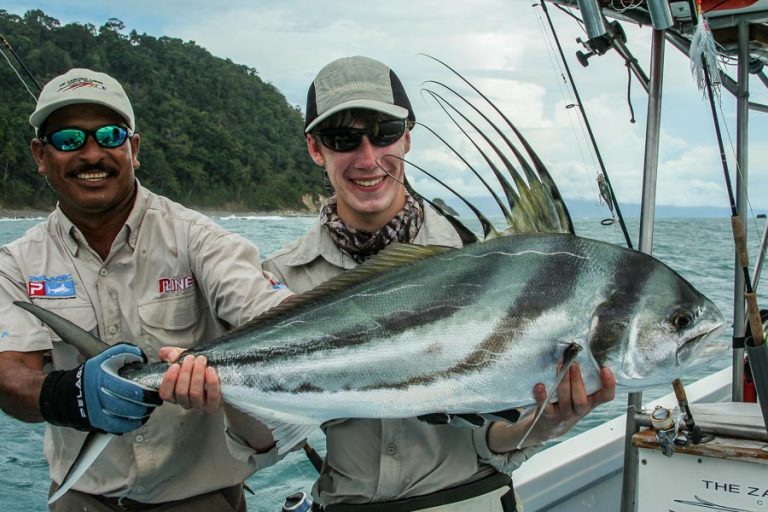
x=503 y=46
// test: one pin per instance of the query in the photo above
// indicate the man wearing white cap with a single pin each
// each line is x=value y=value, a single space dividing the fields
x=127 y=265
x=358 y=123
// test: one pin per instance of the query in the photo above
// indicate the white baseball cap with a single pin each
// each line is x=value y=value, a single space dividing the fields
x=81 y=85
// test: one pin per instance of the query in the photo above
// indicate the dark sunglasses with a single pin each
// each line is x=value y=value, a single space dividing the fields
x=72 y=139
x=347 y=139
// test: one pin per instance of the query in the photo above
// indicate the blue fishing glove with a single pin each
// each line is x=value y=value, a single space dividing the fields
x=93 y=397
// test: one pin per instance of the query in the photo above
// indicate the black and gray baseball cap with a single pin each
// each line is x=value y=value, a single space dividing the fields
x=356 y=82
x=81 y=85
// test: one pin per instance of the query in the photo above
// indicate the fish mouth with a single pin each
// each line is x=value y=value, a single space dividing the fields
x=703 y=347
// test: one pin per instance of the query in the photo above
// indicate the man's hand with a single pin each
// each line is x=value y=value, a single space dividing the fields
x=192 y=384
x=572 y=404
x=195 y=385
x=93 y=397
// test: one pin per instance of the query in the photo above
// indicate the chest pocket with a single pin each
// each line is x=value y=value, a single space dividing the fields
x=180 y=321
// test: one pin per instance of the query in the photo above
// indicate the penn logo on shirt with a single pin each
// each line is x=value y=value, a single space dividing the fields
x=56 y=287
x=175 y=284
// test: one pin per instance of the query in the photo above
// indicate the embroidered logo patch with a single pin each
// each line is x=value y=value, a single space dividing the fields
x=4 y=334
x=56 y=287
x=175 y=284
x=77 y=83
x=276 y=285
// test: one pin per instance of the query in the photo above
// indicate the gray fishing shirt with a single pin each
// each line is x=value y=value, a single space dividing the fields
x=383 y=460
x=172 y=277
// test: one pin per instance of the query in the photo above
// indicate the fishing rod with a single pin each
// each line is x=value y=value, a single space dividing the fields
x=7 y=44
x=737 y=226
x=755 y=344
x=604 y=182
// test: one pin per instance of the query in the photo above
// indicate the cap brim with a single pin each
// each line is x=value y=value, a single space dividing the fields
x=379 y=106
x=38 y=117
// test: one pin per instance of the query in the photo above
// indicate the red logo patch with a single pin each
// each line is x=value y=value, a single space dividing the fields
x=175 y=284
x=36 y=288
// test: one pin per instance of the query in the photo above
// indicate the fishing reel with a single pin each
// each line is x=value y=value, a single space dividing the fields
x=601 y=44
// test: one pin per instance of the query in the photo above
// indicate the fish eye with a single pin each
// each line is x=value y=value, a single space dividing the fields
x=682 y=320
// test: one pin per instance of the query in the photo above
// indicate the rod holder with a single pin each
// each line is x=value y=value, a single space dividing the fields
x=661 y=14
x=758 y=362
x=593 y=18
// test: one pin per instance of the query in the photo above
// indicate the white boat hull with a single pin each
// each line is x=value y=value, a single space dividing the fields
x=584 y=473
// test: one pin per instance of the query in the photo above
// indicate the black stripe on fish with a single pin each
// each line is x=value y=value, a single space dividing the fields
x=611 y=318
x=531 y=301
x=396 y=323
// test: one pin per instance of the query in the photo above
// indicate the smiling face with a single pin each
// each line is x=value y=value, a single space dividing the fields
x=367 y=197
x=92 y=180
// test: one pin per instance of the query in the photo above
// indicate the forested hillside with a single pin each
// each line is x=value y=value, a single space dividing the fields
x=213 y=133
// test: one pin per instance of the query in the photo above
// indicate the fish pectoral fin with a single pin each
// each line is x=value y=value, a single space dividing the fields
x=92 y=447
x=570 y=354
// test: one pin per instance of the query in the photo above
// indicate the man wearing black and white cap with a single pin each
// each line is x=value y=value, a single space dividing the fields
x=127 y=265
x=358 y=123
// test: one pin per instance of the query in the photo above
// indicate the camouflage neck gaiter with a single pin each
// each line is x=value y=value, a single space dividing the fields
x=361 y=245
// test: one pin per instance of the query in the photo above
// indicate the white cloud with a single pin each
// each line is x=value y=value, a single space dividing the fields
x=503 y=48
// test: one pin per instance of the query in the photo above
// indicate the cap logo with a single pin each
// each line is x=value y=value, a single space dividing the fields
x=350 y=86
x=77 y=83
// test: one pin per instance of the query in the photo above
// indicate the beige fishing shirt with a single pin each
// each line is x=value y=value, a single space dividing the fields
x=172 y=277
x=384 y=460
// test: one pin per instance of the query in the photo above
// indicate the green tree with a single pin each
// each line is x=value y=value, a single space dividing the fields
x=212 y=132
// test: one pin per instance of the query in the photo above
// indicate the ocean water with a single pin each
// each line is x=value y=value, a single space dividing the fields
x=699 y=249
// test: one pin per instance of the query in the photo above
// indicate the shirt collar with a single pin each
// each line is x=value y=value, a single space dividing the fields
x=73 y=238
x=435 y=230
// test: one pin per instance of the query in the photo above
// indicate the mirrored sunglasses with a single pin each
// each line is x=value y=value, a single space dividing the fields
x=72 y=139
x=347 y=139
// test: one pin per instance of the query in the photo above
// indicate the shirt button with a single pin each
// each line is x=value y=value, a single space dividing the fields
x=139 y=438
x=103 y=272
x=391 y=449
x=112 y=329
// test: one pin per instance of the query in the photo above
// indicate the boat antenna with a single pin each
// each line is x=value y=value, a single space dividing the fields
x=5 y=43
x=609 y=195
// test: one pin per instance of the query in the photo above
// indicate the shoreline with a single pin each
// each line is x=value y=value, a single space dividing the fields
x=34 y=213
x=23 y=213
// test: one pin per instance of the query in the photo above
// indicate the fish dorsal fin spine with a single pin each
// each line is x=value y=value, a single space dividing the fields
x=394 y=256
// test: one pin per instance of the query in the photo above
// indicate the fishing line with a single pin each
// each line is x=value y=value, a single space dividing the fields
x=567 y=96
x=589 y=128
x=738 y=167
x=17 y=73
x=5 y=42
